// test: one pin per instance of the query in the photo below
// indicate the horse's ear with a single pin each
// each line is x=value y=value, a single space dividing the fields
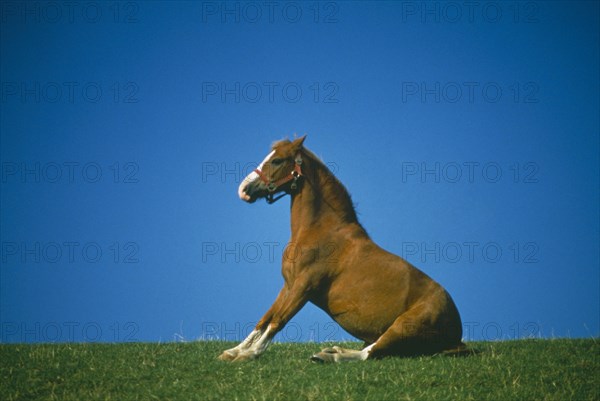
x=297 y=143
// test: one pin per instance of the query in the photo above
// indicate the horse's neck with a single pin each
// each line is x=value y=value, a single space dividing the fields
x=321 y=202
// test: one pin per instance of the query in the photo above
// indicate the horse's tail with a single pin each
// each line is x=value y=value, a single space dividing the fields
x=460 y=350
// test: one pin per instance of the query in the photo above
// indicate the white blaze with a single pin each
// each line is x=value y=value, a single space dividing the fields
x=251 y=177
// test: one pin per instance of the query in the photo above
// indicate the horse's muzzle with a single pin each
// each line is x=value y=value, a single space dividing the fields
x=250 y=191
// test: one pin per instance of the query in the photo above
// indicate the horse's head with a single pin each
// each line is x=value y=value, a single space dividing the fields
x=277 y=173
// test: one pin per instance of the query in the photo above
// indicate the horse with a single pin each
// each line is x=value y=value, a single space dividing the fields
x=376 y=296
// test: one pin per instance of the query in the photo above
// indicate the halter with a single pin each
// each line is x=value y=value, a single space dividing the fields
x=273 y=185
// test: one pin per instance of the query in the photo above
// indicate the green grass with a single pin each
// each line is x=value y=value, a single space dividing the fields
x=514 y=370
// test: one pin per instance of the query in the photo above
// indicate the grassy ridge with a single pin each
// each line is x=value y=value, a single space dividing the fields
x=531 y=369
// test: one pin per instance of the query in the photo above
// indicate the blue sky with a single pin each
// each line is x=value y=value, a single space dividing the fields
x=468 y=138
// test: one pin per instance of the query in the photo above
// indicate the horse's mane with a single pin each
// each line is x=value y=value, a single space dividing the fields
x=326 y=182
x=280 y=143
x=341 y=201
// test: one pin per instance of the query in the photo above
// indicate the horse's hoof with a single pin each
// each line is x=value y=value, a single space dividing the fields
x=323 y=357
x=245 y=356
x=226 y=356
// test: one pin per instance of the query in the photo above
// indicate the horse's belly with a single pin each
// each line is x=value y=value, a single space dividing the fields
x=366 y=328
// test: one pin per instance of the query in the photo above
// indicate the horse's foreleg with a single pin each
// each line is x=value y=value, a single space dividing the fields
x=287 y=304
x=252 y=347
x=254 y=336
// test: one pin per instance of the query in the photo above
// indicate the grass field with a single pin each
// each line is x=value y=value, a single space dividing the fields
x=514 y=370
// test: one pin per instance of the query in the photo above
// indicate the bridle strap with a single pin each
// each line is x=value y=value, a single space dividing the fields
x=272 y=186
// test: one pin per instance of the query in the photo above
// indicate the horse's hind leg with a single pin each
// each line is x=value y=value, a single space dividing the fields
x=401 y=336
x=338 y=354
x=419 y=331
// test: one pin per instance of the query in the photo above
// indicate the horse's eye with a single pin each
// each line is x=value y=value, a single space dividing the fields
x=277 y=161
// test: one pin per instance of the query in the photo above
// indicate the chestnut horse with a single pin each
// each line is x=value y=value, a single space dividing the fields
x=374 y=295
